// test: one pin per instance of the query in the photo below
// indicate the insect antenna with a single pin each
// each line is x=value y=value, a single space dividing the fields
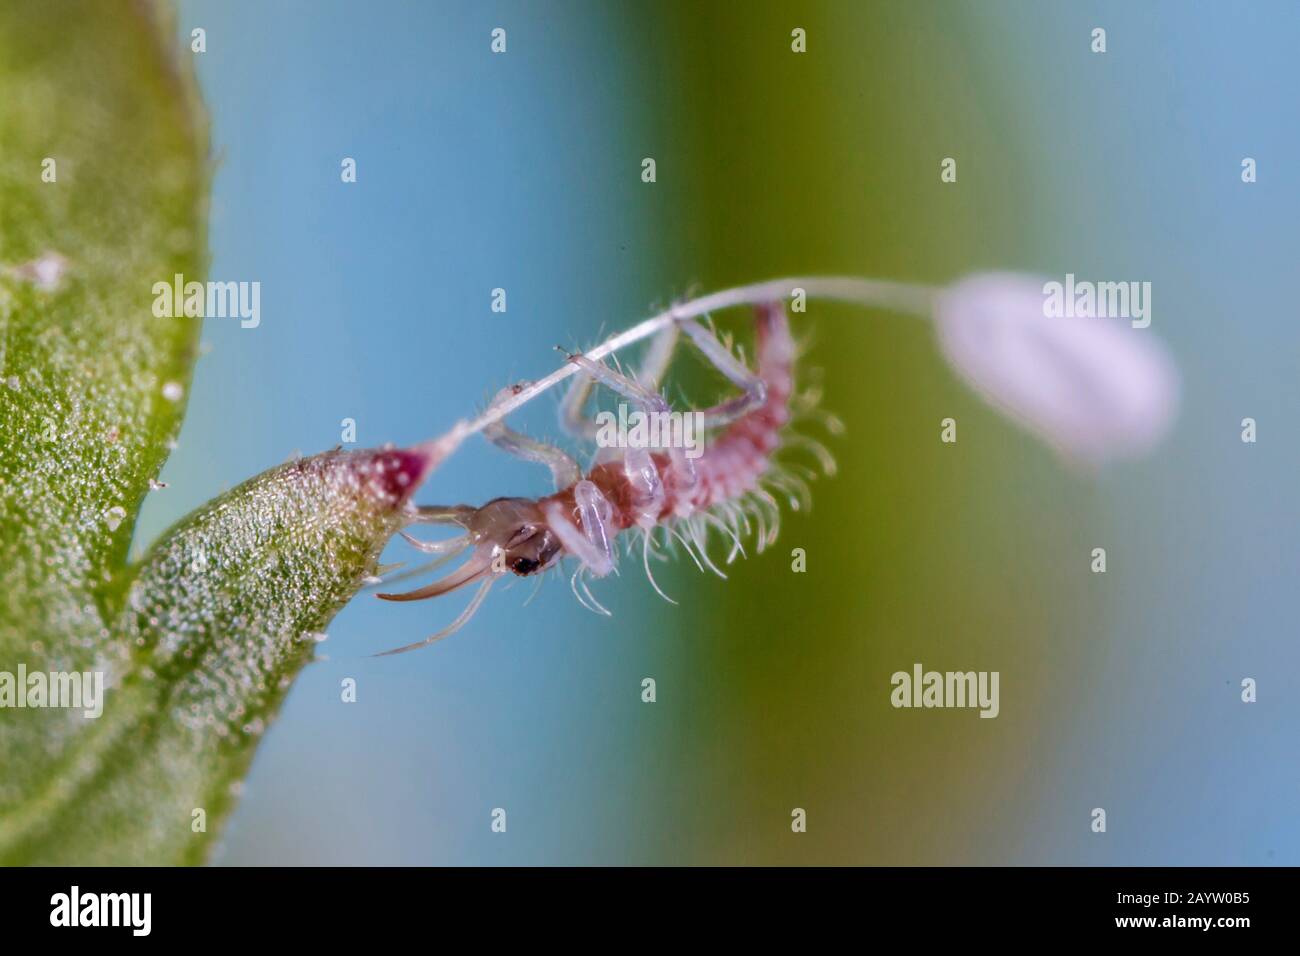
x=470 y=571
x=454 y=626
x=440 y=514
x=451 y=546
x=418 y=571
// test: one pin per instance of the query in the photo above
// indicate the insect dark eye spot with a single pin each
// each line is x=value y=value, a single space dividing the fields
x=523 y=566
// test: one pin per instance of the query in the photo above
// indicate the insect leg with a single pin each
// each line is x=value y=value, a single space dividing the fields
x=755 y=389
x=646 y=400
x=655 y=364
x=572 y=417
x=591 y=544
x=575 y=421
x=564 y=470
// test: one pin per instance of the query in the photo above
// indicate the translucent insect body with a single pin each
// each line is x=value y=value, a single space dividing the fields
x=1094 y=390
x=637 y=491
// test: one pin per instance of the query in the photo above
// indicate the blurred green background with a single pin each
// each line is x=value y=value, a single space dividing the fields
x=522 y=171
x=828 y=162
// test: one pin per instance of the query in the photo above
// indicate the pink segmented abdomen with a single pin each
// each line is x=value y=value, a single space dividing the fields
x=734 y=461
x=731 y=464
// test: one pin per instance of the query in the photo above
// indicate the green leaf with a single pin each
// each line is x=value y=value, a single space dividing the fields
x=225 y=611
x=95 y=88
x=199 y=642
